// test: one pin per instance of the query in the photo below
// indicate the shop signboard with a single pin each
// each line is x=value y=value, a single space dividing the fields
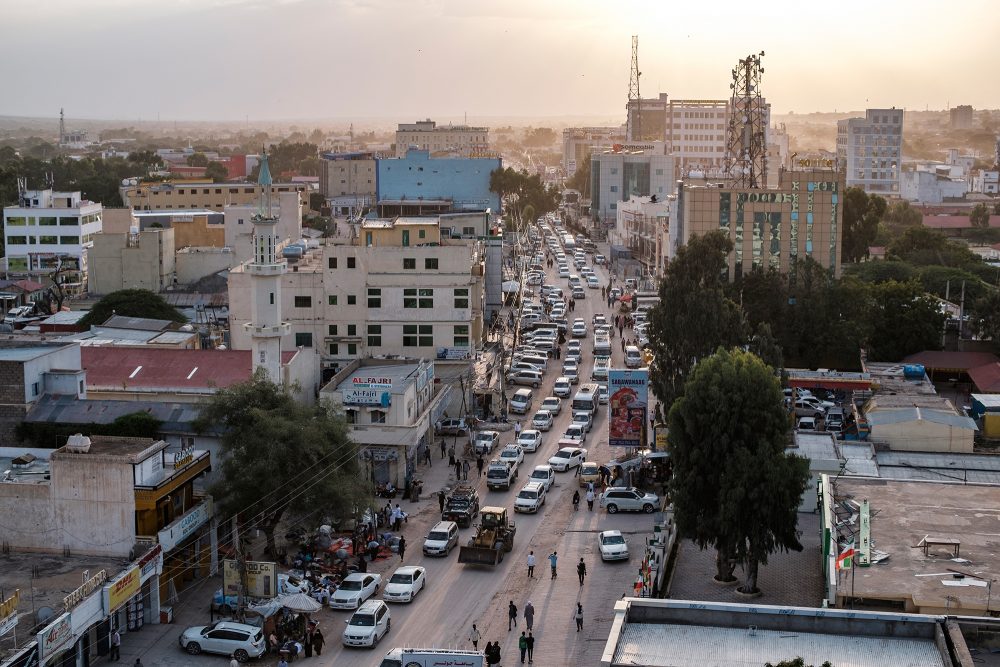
x=89 y=586
x=7 y=624
x=453 y=353
x=121 y=590
x=369 y=391
x=628 y=402
x=261 y=578
x=56 y=635
x=152 y=560
x=182 y=528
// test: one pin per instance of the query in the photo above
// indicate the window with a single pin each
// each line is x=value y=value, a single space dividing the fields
x=614 y=188
x=352 y=299
x=331 y=329
x=69 y=240
x=418 y=298
x=374 y=335
x=303 y=340
x=331 y=263
x=352 y=348
x=462 y=297
x=418 y=335
x=218 y=191
x=334 y=348
x=303 y=302
x=431 y=264
x=378 y=416
x=350 y=262
x=331 y=299
x=17 y=240
x=461 y=335
x=34 y=389
x=352 y=329
x=468 y=231
x=48 y=240
x=374 y=298
x=422 y=234
x=47 y=221
x=409 y=263
x=17 y=221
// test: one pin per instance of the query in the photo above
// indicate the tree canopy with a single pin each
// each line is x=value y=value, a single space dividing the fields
x=734 y=487
x=217 y=172
x=862 y=213
x=131 y=303
x=519 y=190
x=979 y=216
x=280 y=455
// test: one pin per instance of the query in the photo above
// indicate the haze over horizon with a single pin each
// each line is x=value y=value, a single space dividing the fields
x=270 y=60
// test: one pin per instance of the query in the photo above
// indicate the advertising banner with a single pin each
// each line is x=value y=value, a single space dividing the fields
x=262 y=579
x=182 y=528
x=56 y=635
x=628 y=402
x=369 y=391
x=123 y=589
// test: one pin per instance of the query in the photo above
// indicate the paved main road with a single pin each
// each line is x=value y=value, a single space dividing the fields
x=458 y=595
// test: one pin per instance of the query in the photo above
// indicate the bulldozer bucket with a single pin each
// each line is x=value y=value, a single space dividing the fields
x=479 y=555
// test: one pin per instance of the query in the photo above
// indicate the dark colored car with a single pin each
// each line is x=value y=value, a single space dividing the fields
x=461 y=506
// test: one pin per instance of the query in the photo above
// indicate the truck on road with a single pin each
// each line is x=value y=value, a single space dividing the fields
x=500 y=475
x=432 y=657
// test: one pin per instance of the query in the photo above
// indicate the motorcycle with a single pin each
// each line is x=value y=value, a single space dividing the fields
x=384 y=491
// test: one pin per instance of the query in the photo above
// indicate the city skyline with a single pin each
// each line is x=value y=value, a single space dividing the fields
x=226 y=60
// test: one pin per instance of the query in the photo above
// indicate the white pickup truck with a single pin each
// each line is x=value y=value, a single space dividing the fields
x=430 y=657
x=500 y=475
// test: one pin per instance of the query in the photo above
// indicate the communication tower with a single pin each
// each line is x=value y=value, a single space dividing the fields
x=633 y=129
x=746 y=144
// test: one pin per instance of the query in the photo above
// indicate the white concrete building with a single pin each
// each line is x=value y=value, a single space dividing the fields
x=240 y=229
x=637 y=169
x=930 y=185
x=986 y=181
x=643 y=225
x=871 y=150
x=464 y=140
x=580 y=142
x=47 y=229
x=391 y=406
x=378 y=296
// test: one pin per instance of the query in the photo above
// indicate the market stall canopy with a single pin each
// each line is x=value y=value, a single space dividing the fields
x=511 y=286
x=300 y=602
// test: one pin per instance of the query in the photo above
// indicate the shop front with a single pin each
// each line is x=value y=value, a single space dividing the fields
x=382 y=464
x=188 y=549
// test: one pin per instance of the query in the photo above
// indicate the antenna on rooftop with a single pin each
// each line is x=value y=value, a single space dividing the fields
x=633 y=123
x=62 y=127
x=746 y=150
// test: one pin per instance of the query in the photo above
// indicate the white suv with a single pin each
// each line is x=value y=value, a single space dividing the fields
x=368 y=624
x=530 y=498
x=225 y=638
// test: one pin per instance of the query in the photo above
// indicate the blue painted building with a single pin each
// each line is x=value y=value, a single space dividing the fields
x=419 y=183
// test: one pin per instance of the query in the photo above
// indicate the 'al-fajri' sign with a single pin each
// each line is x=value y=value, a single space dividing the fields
x=369 y=391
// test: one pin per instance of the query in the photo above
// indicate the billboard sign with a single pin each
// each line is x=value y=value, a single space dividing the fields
x=369 y=391
x=628 y=401
x=262 y=579
x=123 y=589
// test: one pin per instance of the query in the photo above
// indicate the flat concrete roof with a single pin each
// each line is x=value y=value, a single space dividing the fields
x=903 y=514
x=117 y=446
x=29 y=352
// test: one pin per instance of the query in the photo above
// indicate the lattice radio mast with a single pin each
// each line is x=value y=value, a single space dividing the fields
x=633 y=129
x=746 y=145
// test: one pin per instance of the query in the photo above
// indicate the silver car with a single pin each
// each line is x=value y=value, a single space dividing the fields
x=629 y=499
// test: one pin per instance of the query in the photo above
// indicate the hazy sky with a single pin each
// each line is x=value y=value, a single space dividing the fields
x=348 y=59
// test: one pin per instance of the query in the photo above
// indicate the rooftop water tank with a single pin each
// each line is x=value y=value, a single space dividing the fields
x=913 y=371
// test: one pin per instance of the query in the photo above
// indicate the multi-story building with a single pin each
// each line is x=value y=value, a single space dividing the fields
x=626 y=170
x=391 y=406
x=419 y=184
x=132 y=260
x=399 y=288
x=239 y=223
x=931 y=184
x=580 y=142
x=29 y=370
x=870 y=149
x=961 y=117
x=643 y=226
x=347 y=181
x=770 y=228
x=986 y=181
x=464 y=140
x=48 y=229
x=198 y=194
x=650 y=116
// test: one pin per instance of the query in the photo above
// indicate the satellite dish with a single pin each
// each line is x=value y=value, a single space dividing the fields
x=44 y=614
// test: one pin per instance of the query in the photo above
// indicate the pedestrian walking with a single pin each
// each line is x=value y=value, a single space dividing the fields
x=590 y=498
x=553 y=558
x=531 y=648
x=511 y=615
x=444 y=449
x=402 y=548
x=529 y=615
x=531 y=565
x=517 y=429
x=474 y=637
x=441 y=499
x=465 y=469
x=116 y=646
x=579 y=617
x=480 y=463
x=307 y=643
x=430 y=459
x=318 y=641
x=581 y=570
x=458 y=469
x=522 y=645
x=451 y=455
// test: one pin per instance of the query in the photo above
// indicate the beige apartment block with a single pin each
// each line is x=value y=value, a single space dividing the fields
x=140 y=260
x=349 y=174
x=193 y=194
x=464 y=140
x=770 y=228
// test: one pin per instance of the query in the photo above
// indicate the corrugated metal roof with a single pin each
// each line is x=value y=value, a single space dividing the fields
x=860 y=459
x=814 y=446
x=989 y=401
x=668 y=645
x=902 y=415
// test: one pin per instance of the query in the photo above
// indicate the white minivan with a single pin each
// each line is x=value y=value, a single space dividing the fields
x=530 y=498
x=633 y=357
x=521 y=401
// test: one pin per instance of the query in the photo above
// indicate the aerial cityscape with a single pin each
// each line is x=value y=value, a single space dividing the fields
x=667 y=335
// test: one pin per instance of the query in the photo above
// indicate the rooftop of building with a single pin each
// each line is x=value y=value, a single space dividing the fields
x=826 y=379
x=26 y=351
x=133 y=450
x=682 y=633
x=130 y=369
x=943 y=360
x=399 y=375
x=173 y=417
x=903 y=515
x=886 y=416
x=65 y=317
x=814 y=446
x=888 y=379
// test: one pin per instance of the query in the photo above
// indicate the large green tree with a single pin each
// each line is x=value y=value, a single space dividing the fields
x=521 y=192
x=862 y=213
x=986 y=317
x=217 y=172
x=979 y=216
x=280 y=455
x=904 y=320
x=693 y=317
x=131 y=303
x=734 y=487
x=580 y=180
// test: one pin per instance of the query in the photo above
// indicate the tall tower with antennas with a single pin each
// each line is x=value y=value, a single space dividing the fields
x=746 y=142
x=633 y=127
x=266 y=269
x=62 y=128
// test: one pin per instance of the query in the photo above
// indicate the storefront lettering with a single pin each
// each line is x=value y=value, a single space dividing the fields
x=91 y=585
x=122 y=590
x=9 y=606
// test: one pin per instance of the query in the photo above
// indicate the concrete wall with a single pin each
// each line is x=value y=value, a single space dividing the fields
x=417 y=176
x=195 y=231
x=925 y=436
x=116 y=265
x=192 y=264
x=93 y=504
x=28 y=519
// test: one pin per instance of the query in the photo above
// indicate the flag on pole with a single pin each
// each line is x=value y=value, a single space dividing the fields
x=844 y=560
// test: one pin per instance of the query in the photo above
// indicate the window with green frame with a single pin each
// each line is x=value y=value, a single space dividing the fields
x=303 y=340
x=418 y=335
x=352 y=348
x=461 y=335
x=374 y=297
x=332 y=299
x=462 y=297
x=374 y=335
x=418 y=297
